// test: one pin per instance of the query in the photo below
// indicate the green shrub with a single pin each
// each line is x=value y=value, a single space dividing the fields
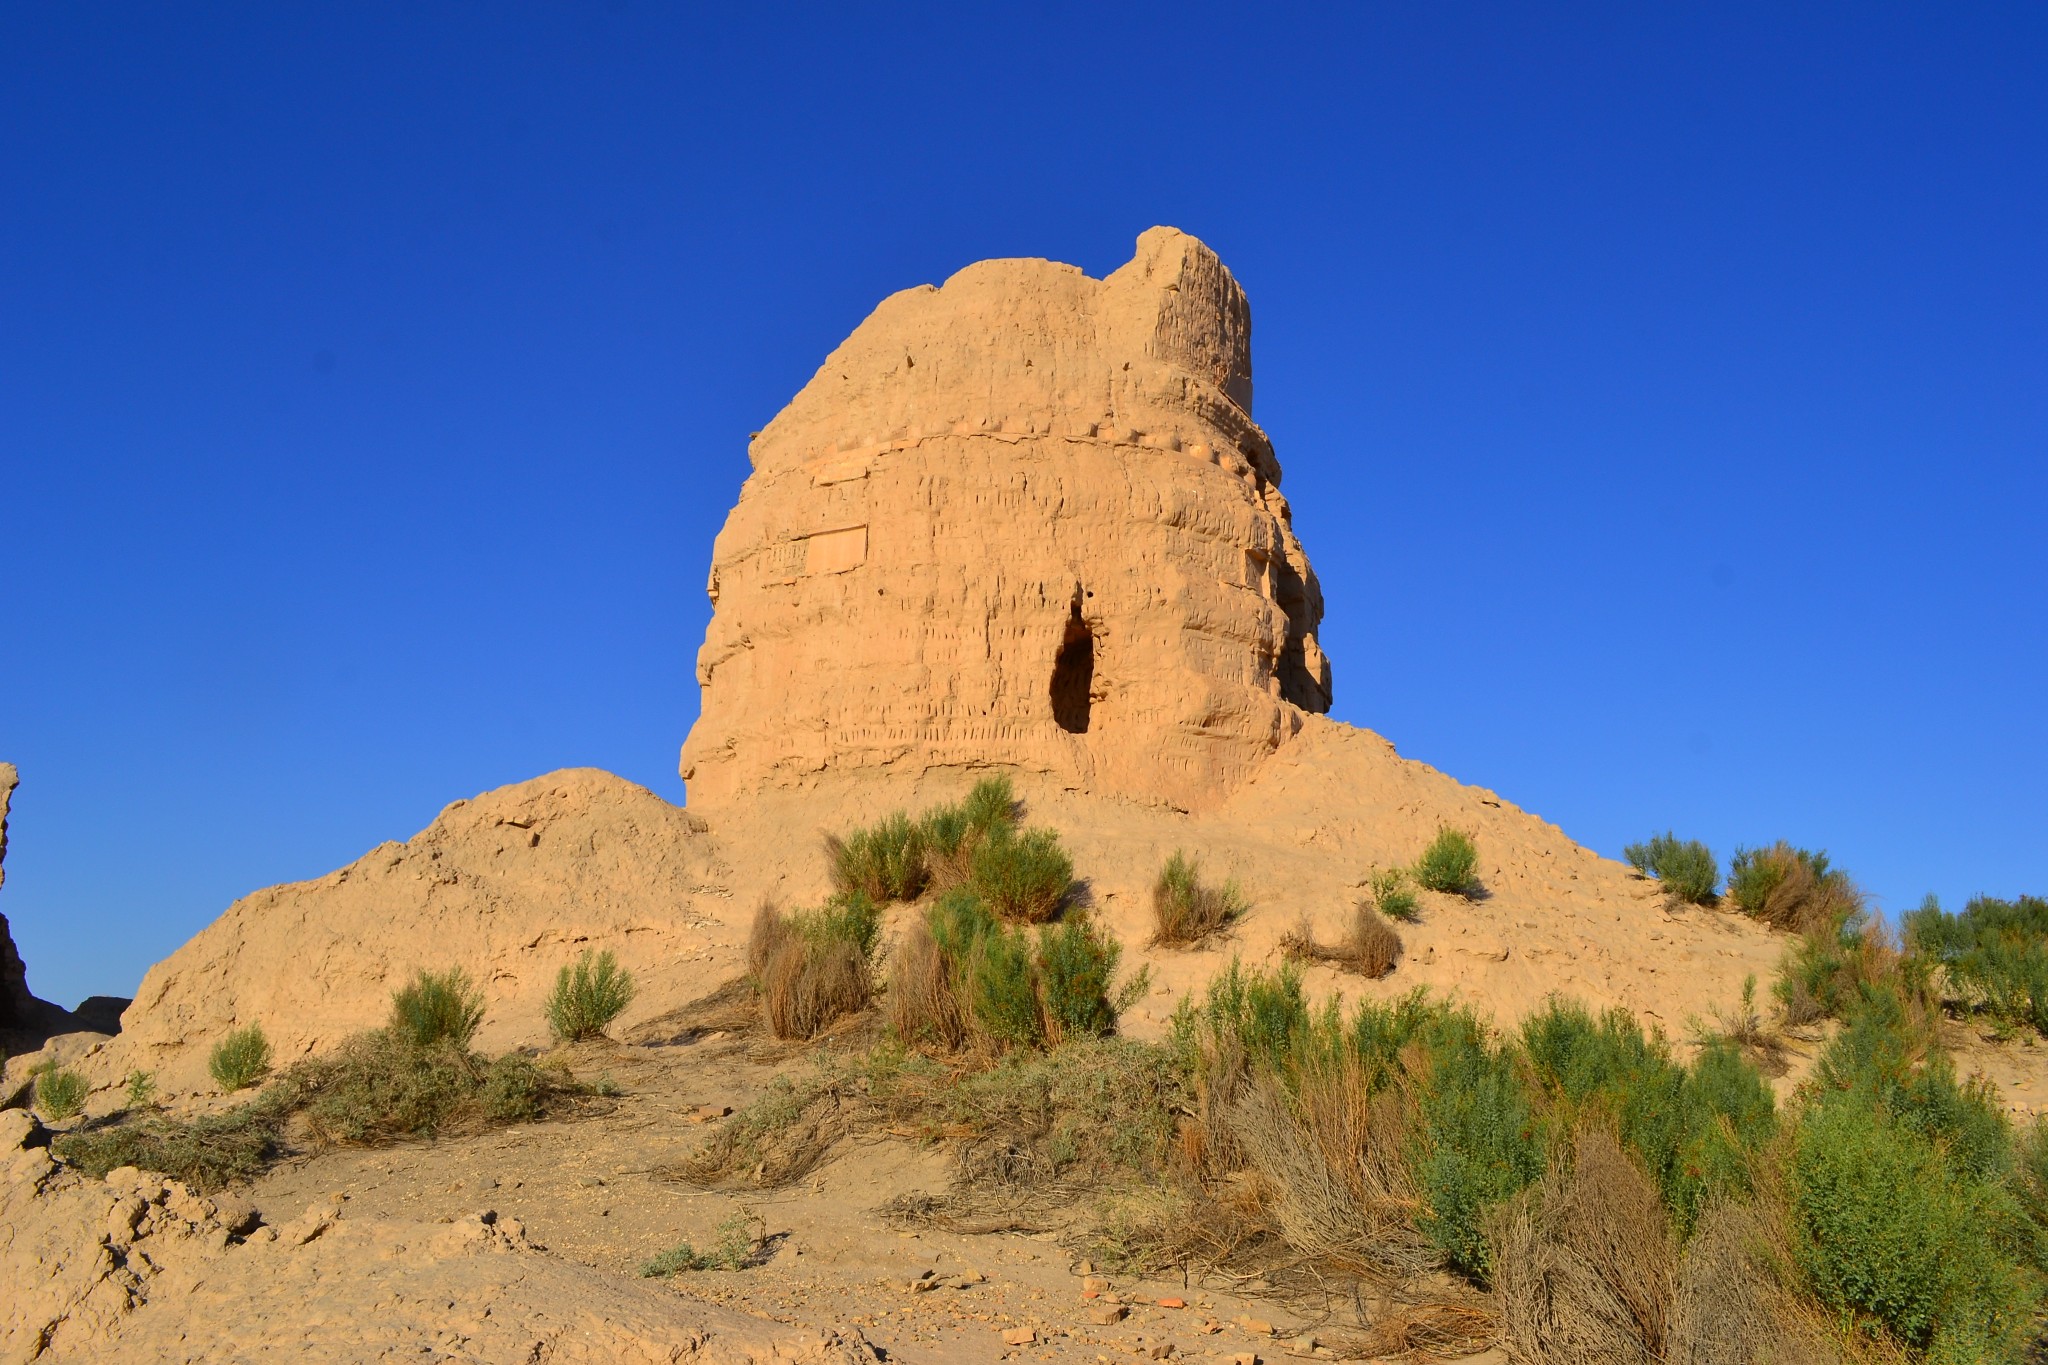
x=1993 y=956
x=883 y=863
x=1887 y=1228
x=851 y=918
x=1001 y=987
x=1390 y=893
x=1185 y=909
x=1023 y=877
x=141 y=1089
x=1076 y=964
x=239 y=1060
x=1266 y=1015
x=1687 y=868
x=733 y=1250
x=1791 y=888
x=587 y=998
x=1478 y=1142
x=437 y=1008
x=60 y=1093
x=1693 y=1128
x=1450 y=863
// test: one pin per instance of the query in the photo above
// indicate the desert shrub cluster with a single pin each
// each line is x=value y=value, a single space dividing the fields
x=1021 y=873
x=961 y=974
x=414 y=1077
x=1992 y=957
x=1686 y=867
x=1595 y=1192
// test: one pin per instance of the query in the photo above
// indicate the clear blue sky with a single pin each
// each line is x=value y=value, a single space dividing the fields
x=1662 y=391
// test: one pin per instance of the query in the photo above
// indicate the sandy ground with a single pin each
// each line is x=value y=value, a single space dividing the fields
x=592 y=1190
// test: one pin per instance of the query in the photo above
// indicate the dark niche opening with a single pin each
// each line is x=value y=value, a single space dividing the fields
x=1073 y=675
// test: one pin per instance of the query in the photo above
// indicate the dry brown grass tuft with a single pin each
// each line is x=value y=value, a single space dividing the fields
x=1583 y=1263
x=1371 y=946
x=1331 y=1176
x=765 y=938
x=806 y=981
x=924 y=1009
x=1185 y=909
x=811 y=983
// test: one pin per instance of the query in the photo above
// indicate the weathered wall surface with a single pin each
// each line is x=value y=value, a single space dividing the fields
x=15 y=1001
x=1023 y=519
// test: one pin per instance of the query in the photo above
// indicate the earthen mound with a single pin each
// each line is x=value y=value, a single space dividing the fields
x=1025 y=519
x=510 y=886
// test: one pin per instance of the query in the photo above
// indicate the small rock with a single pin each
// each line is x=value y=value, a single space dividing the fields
x=1258 y=1327
x=236 y=1214
x=1094 y=1284
x=1173 y=1303
x=1305 y=1343
x=1108 y=1314
x=18 y=1129
x=1085 y=1268
x=1159 y=1350
x=1020 y=1336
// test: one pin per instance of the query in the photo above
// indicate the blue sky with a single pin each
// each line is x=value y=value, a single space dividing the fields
x=1662 y=392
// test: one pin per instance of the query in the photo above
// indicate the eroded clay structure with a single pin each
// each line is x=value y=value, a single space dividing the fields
x=1024 y=518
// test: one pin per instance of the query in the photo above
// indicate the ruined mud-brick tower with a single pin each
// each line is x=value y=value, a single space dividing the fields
x=1024 y=518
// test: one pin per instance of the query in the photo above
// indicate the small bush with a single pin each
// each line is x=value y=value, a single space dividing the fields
x=239 y=1060
x=378 y=1087
x=952 y=832
x=733 y=1250
x=1450 y=863
x=141 y=1089
x=1001 y=987
x=60 y=1093
x=1022 y=877
x=1076 y=964
x=1390 y=894
x=1993 y=956
x=1186 y=910
x=588 y=997
x=1792 y=889
x=883 y=863
x=437 y=1008
x=1687 y=868
x=1370 y=946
